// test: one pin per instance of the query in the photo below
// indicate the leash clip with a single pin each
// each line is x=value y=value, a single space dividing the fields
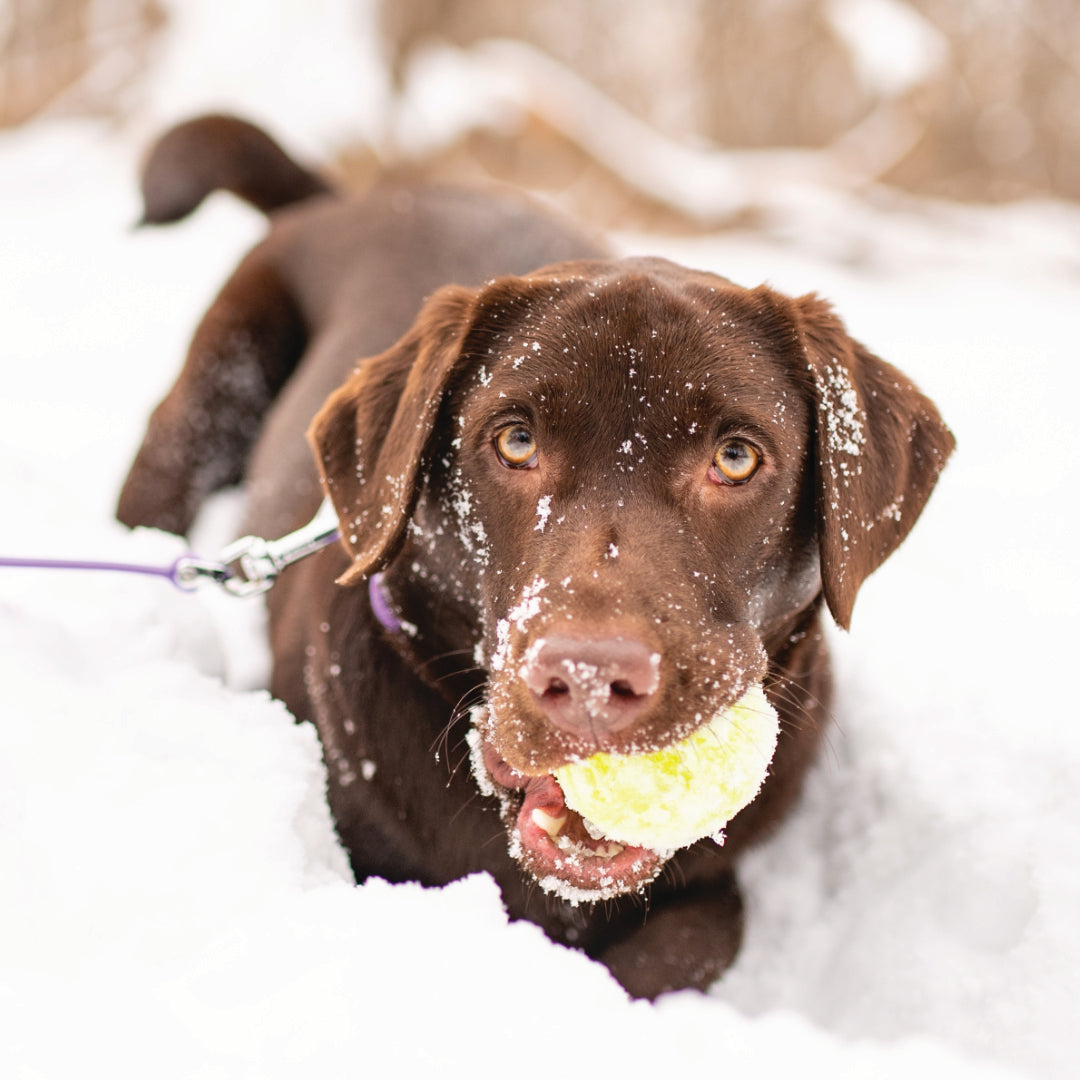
x=260 y=560
x=189 y=572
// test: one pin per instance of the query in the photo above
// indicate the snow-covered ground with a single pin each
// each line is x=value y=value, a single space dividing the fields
x=172 y=898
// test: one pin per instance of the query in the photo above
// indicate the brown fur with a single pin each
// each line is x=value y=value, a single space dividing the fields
x=628 y=373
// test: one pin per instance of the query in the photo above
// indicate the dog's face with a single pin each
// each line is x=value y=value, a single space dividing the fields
x=626 y=483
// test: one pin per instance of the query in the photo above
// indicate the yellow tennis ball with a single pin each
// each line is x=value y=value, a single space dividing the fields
x=670 y=798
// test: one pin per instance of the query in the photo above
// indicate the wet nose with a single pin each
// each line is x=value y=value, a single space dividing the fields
x=591 y=686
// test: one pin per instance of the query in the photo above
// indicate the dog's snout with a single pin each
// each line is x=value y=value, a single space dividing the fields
x=591 y=686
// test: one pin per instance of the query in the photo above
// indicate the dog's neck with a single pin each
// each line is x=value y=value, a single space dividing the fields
x=427 y=633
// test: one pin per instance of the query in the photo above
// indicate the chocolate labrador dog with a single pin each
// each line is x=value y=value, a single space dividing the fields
x=584 y=504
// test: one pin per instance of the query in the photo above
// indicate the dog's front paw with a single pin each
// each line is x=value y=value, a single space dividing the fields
x=687 y=943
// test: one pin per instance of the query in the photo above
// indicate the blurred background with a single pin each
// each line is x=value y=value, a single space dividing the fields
x=670 y=116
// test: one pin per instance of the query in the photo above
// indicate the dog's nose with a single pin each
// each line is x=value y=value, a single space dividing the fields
x=591 y=686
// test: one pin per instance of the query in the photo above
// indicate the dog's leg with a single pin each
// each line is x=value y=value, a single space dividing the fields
x=686 y=942
x=199 y=437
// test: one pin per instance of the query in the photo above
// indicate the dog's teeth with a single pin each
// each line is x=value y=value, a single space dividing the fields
x=594 y=831
x=585 y=851
x=550 y=824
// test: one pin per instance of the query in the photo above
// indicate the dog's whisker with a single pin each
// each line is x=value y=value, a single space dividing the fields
x=440 y=744
x=454 y=771
x=431 y=661
x=464 y=806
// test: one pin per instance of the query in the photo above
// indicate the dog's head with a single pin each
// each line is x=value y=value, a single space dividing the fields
x=625 y=483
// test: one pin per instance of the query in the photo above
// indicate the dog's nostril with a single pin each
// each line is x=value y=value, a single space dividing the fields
x=622 y=689
x=556 y=687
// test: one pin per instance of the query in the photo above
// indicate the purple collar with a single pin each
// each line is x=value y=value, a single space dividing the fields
x=380 y=605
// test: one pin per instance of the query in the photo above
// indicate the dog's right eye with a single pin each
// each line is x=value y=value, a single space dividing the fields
x=734 y=462
x=516 y=447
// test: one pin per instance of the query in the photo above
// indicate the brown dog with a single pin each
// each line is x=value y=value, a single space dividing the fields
x=605 y=497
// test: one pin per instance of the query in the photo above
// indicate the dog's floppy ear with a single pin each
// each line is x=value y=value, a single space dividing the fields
x=371 y=435
x=880 y=446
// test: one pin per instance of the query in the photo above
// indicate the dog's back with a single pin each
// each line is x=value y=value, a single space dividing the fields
x=336 y=279
x=361 y=270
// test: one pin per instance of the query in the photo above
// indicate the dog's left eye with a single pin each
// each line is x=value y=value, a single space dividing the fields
x=516 y=447
x=734 y=462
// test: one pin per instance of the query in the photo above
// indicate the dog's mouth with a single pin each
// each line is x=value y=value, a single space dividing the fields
x=567 y=856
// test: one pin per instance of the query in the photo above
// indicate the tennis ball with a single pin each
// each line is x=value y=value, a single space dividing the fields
x=672 y=797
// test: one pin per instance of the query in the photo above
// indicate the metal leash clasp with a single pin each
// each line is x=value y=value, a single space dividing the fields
x=260 y=561
x=189 y=572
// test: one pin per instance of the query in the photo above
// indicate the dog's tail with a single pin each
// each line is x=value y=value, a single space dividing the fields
x=214 y=152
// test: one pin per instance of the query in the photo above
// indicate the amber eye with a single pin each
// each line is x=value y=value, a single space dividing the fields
x=516 y=447
x=735 y=461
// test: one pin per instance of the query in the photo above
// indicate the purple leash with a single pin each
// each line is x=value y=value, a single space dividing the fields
x=259 y=560
x=185 y=572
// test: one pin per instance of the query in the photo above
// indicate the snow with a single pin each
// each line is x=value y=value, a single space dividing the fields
x=313 y=71
x=543 y=512
x=175 y=902
x=893 y=47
